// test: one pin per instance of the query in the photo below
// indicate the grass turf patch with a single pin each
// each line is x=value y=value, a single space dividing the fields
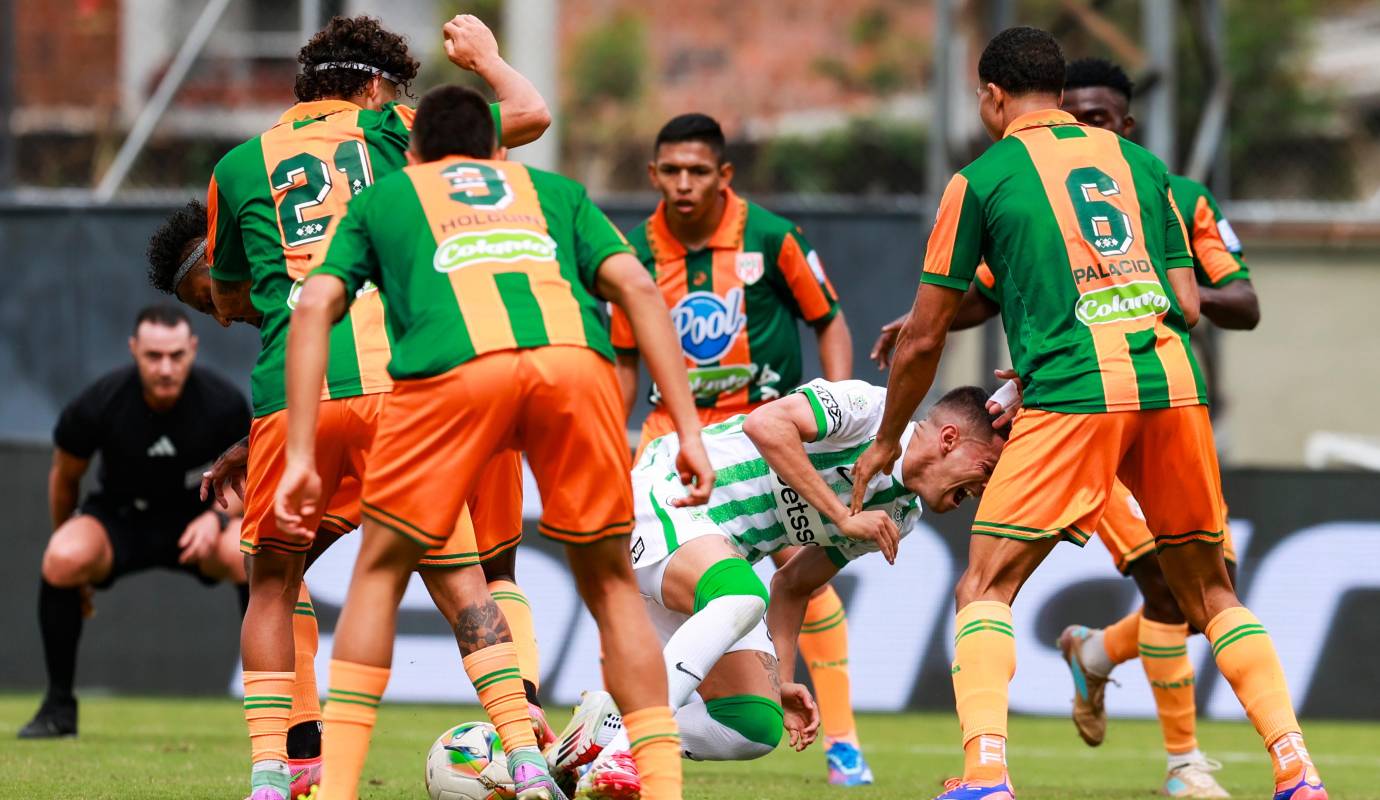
x=181 y=749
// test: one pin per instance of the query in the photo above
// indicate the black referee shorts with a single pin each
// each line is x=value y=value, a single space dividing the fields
x=141 y=540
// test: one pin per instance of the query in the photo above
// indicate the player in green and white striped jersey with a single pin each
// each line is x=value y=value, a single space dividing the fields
x=784 y=477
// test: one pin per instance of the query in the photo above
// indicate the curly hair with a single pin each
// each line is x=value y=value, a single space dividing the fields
x=1099 y=73
x=1023 y=61
x=171 y=243
x=352 y=40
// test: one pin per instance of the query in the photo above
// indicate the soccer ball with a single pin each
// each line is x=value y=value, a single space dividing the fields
x=467 y=763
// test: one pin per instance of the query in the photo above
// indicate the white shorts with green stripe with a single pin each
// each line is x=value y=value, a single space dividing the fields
x=660 y=528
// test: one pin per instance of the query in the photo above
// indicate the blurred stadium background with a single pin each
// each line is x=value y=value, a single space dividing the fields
x=845 y=115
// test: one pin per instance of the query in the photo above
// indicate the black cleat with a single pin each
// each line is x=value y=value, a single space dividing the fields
x=55 y=719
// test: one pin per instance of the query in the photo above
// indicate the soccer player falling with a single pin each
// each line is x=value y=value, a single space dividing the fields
x=784 y=480
x=738 y=279
x=1098 y=93
x=495 y=277
x=1091 y=265
x=275 y=202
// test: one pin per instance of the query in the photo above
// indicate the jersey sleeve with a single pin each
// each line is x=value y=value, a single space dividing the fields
x=79 y=430
x=846 y=412
x=596 y=238
x=955 y=246
x=803 y=273
x=225 y=253
x=1215 y=244
x=352 y=257
x=1176 y=252
x=986 y=282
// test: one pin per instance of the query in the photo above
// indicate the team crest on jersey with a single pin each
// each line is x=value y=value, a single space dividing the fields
x=708 y=324
x=750 y=267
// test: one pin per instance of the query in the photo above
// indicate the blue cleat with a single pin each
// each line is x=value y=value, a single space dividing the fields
x=1309 y=787
x=959 y=789
x=847 y=767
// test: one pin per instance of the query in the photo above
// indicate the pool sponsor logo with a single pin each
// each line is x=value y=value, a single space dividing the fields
x=708 y=324
x=503 y=246
x=1122 y=303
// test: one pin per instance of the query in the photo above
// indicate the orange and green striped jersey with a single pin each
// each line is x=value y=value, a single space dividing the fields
x=1079 y=230
x=735 y=303
x=274 y=203
x=1215 y=247
x=474 y=257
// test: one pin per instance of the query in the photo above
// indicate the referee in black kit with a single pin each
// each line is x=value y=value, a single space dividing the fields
x=156 y=425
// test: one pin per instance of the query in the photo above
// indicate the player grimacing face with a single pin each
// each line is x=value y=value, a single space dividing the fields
x=1100 y=107
x=164 y=355
x=690 y=177
x=946 y=464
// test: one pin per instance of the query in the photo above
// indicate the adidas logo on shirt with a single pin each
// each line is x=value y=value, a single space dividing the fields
x=162 y=447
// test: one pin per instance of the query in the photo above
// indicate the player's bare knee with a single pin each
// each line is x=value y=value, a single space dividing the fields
x=68 y=563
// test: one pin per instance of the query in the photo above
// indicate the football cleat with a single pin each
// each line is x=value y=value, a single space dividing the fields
x=847 y=767
x=611 y=778
x=55 y=719
x=306 y=774
x=531 y=779
x=959 y=789
x=594 y=725
x=540 y=728
x=1194 y=779
x=1308 y=787
x=1089 y=706
x=266 y=793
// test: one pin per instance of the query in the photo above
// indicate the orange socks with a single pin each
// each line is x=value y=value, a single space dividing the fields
x=984 y=661
x=1121 y=638
x=352 y=706
x=494 y=672
x=267 y=702
x=513 y=603
x=1246 y=657
x=656 y=749
x=824 y=643
x=306 y=701
x=1164 y=655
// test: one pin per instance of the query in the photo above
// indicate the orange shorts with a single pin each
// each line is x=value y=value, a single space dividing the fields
x=659 y=423
x=1128 y=538
x=560 y=405
x=345 y=430
x=496 y=505
x=1057 y=474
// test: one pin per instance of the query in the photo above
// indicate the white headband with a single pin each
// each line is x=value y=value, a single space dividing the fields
x=195 y=256
x=388 y=76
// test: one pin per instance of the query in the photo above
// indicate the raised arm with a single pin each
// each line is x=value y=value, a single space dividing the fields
x=64 y=485
x=471 y=45
x=975 y=310
x=622 y=280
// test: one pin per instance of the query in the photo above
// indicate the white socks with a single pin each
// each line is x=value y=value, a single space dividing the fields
x=1093 y=653
x=1193 y=756
x=702 y=640
x=704 y=739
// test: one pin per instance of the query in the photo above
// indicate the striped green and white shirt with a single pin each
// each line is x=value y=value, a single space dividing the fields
x=760 y=513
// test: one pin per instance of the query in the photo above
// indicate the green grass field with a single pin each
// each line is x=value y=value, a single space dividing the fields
x=161 y=749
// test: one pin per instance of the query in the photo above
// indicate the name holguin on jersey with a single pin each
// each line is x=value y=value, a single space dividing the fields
x=708 y=326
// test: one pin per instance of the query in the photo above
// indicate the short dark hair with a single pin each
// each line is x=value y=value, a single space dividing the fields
x=360 y=41
x=453 y=121
x=1023 y=61
x=692 y=128
x=1099 y=72
x=165 y=314
x=172 y=243
x=968 y=405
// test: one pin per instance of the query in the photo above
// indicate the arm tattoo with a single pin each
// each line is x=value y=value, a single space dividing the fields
x=769 y=664
x=480 y=625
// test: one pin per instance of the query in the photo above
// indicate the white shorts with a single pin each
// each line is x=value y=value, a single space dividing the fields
x=659 y=528
x=667 y=622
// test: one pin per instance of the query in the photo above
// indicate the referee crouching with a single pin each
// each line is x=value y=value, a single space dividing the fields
x=156 y=425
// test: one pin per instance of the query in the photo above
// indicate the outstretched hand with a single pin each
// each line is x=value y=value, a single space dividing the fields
x=886 y=342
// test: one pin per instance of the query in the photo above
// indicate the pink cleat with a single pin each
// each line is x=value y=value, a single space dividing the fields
x=306 y=774
x=611 y=778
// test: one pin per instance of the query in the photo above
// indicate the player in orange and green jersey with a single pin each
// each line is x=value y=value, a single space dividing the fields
x=495 y=278
x=273 y=206
x=1094 y=282
x=738 y=280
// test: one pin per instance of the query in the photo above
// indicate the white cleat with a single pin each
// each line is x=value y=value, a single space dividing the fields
x=1194 y=779
x=595 y=724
